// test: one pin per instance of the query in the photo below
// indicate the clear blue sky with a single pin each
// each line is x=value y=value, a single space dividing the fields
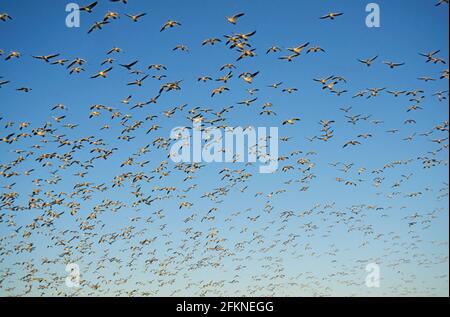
x=413 y=264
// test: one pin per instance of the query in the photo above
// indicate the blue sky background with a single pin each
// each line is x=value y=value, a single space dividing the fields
x=407 y=28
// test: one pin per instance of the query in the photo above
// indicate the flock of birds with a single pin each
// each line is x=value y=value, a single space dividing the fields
x=144 y=231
